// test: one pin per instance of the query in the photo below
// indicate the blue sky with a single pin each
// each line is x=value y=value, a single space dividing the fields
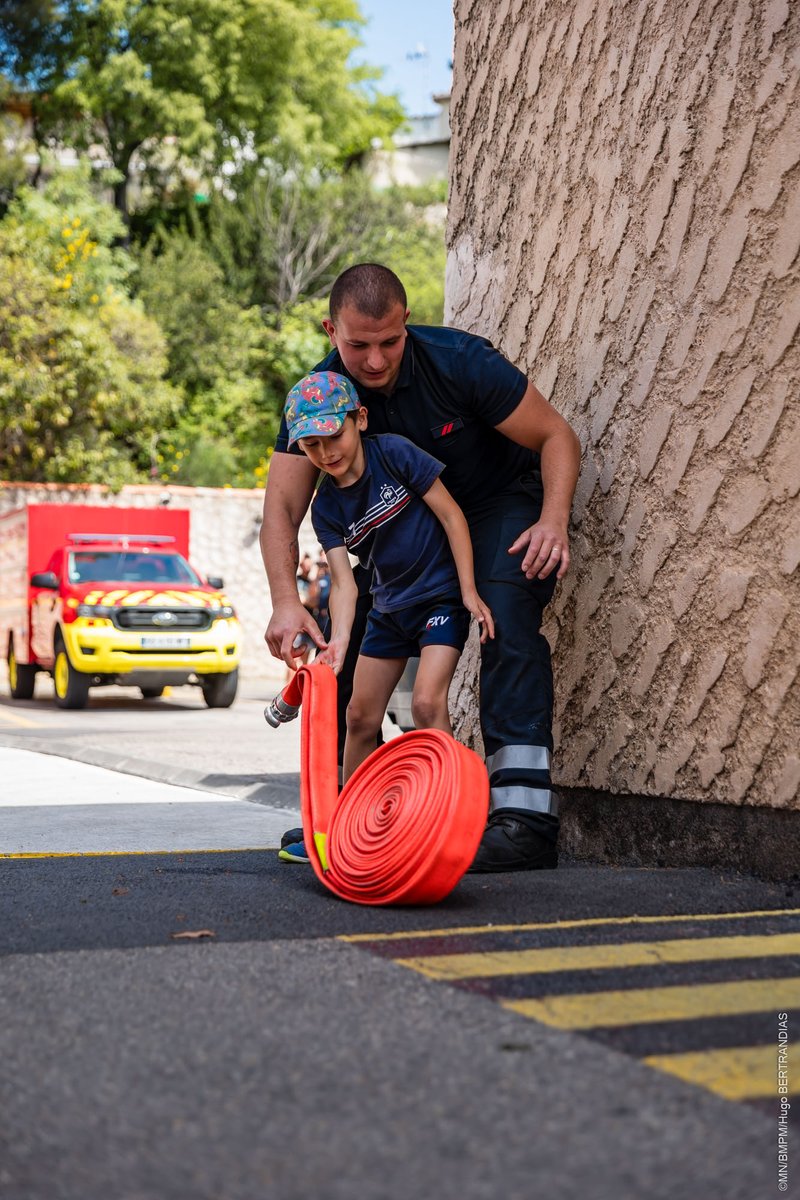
x=398 y=28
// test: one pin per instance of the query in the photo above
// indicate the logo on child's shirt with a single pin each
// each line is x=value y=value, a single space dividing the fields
x=389 y=493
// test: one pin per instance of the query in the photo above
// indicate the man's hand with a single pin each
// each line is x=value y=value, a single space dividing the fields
x=536 y=424
x=287 y=621
x=546 y=546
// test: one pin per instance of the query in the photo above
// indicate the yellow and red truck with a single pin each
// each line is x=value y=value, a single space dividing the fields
x=96 y=596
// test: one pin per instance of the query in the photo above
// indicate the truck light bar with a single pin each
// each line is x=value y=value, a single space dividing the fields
x=153 y=539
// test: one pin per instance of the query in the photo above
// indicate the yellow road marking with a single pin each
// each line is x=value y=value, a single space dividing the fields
x=584 y=958
x=743 y=1073
x=592 y=1010
x=13 y=718
x=588 y=922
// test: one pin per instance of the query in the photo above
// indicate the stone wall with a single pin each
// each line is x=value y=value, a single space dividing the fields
x=624 y=223
x=223 y=535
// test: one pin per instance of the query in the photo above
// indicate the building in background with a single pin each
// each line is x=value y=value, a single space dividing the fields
x=419 y=155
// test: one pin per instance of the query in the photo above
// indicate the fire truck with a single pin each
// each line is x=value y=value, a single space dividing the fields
x=98 y=596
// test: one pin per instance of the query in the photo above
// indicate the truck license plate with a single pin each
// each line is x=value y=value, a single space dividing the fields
x=165 y=643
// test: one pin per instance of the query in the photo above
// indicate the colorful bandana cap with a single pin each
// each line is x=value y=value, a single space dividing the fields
x=318 y=404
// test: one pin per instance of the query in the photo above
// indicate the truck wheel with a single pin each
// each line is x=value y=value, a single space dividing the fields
x=219 y=691
x=151 y=693
x=72 y=687
x=21 y=677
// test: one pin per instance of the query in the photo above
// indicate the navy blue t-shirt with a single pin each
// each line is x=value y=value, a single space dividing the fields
x=383 y=520
x=452 y=390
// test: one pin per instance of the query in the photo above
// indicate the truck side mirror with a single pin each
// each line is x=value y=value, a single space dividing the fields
x=45 y=579
x=215 y=581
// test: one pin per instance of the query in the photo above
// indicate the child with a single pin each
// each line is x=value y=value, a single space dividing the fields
x=381 y=499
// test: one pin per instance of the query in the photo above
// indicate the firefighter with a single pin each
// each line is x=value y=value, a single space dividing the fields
x=511 y=463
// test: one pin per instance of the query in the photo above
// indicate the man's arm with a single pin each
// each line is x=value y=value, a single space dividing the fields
x=342 y=605
x=290 y=487
x=536 y=424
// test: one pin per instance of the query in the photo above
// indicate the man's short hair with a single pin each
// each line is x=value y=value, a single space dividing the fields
x=370 y=288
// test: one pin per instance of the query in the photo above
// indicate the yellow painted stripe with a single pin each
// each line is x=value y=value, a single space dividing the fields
x=112 y=853
x=12 y=718
x=593 y=1010
x=741 y=1073
x=114 y=597
x=588 y=922
x=321 y=842
x=134 y=598
x=586 y=958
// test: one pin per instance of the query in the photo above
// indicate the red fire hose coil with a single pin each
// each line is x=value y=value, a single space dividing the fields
x=407 y=824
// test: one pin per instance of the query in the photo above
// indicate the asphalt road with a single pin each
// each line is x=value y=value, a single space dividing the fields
x=216 y=1025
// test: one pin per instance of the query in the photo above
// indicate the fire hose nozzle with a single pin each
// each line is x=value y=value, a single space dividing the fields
x=278 y=712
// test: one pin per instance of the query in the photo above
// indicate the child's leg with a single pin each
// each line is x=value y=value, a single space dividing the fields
x=437 y=666
x=373 y=683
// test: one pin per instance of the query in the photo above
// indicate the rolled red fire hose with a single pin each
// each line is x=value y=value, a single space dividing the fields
x=406 y=825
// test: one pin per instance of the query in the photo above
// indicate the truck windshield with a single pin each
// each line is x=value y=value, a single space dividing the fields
x=130 y=566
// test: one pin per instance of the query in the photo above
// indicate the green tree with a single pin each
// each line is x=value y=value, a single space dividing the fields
x=200 y=80
x=217 y=358
x=82 y=389
x=287 y=235
x=241 y=292
x=13 y=148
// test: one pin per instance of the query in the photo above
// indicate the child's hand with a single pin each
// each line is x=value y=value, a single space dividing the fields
x=334 y=655
x=482 y=614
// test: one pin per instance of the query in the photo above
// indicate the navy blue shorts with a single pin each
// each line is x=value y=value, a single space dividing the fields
x=403 y=633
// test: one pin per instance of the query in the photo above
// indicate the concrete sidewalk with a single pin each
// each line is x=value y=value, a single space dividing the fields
x=51 y=805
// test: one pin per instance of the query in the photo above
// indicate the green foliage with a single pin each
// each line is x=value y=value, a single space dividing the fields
x=286 y=237
x=13 y=171
x=217 y=358
x=415 y=251
x=82 y=393
x=296 y=343
x=204 y=463
x=211 y=337
x=13 y=147
x=234 y=81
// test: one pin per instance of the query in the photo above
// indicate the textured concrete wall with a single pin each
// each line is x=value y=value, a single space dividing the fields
x=624 y=223
x=223 y=536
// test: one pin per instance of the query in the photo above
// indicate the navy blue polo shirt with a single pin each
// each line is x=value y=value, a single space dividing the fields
x=452 y=390
x=383 y=519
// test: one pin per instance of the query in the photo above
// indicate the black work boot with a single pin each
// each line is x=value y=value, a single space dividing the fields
x=510 y=843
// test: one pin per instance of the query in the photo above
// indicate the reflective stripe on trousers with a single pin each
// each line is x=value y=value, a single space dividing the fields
x=519 y=778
